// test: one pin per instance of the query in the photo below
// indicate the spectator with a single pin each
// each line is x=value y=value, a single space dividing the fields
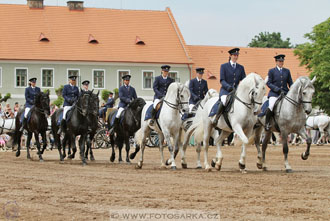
x=9 y=112
x=16 y=108
x=53 y=108
x=1 y=111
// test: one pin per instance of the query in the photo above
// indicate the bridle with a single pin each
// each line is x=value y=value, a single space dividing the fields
x=300 y=101
x=249 y=105
x=76 y=104
x=179 y=105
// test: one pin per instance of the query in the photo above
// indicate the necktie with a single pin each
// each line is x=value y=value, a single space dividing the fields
x=234 y=65
x=281 y=70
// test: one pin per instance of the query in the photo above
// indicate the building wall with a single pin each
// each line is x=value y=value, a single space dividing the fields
x=8 y=81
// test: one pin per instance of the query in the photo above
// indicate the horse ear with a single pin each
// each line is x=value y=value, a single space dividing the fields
x=256 y=81
x=313 y=80
x=92 y=91
x=98 y=92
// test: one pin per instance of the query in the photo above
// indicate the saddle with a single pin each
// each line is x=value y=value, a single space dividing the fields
x=158 y=109
x=121 y=117
x=28 y=116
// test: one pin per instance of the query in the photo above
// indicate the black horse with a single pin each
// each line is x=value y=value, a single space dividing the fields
x=76 y=125
x=37 y=125
x=130 y=124
x=92 y=119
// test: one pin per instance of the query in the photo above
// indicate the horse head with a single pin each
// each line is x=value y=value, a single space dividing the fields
x=183 y=95
x=42 y=102
x=83 y=102
x=137 y=105
x=94 y=103
x=305 y=93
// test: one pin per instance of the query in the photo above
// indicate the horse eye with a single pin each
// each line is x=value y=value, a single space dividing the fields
x=304 y=93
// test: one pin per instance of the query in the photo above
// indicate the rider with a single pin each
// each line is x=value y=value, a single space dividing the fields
x=109 y=104
x=127 y=93
x=198 y=88
x=30 y=93
x=161 y=84
x=231 y=73
x=278 y=80
x=70 y=94
x=85 y=85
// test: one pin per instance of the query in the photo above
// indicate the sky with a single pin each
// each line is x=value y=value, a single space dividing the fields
x=227 y=23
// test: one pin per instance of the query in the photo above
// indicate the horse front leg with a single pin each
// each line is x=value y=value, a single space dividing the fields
x=120 y=144
x=304 y=135
x=28 y=143
x=44 y=142
x=161 y=150
x=127 y=147
x=89 y=145
x=57 y=140
x=72 y=142
x=145 y=134
x=183 y=149
x=206 y=138
x=170 y=148
x=19 y=136
x=217 y=162
x=36 y=136
x=268 y=134
x=287 y=166
x=82 y=143
x=113 y=154
x=257 y=137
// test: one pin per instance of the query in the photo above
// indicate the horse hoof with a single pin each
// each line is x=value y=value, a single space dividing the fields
x=184 y=165
x=243 y=171
x=137 y=166
x=128 y=162
x=218 y=167
x=112 y=158
x=288 y=171
x=18 y=154
x=241 y=166
x=199 y=167
x=132 y=156
x=304 y=157
x=213 y=163
x=167 y=162
x=265 y=169
x=92 y=158
x=208 y=169
x=84 y=164
x=120 y=161
x=173 y=167
x=41 y=160
x=259 y=165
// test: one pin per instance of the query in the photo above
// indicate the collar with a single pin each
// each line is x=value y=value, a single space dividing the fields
x=164 y=77
x=231 y=63
x=33 y=87
x=198 y=79
x=71 y=85
x=278 y=68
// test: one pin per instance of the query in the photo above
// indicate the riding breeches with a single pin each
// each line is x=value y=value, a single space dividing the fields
x=120 y=110
x=223 y=99
x=65 y=110
x=156 y=101
x=191 y=106
x=272 y=101
x=26 y=111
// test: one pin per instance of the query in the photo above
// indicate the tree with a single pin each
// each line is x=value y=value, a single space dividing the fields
x=5 y=98
x=315 y=55
x=105 y=94
x=269 y=40
x=60 y=100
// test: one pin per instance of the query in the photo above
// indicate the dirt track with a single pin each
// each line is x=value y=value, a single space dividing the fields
x=54 y=191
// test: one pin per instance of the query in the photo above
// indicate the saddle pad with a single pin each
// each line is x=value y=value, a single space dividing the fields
x=214 y=109
x=264 y=108
x=114 y=116
x=187 y=116
x=28 y=116
x=148 y=113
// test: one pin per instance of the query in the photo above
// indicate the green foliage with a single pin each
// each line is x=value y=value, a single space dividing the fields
x=59 y=90
x=5 y=98
x=105 y=94
x=46 y=90
x=269 y=40
x=315 y=55
x=116 y=93
x=59 y=101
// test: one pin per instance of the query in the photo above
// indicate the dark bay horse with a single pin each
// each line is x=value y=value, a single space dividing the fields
x=76 y=125
x=130 y=124
x=92 y=119
x=37 y=125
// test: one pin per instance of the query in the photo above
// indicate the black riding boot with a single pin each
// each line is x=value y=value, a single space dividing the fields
x=269 y=114
x=153 y=116
x=23 y=125
x=219 y=112
x=62 y=127
x=115 y=126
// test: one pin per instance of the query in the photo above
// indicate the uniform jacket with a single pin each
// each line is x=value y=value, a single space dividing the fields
x=278 y=82
x=161 y=85
x=230 y=77
x=110 y=103
x=70 y=94
x=30 y=94
x=197 y=90
x=126 y=95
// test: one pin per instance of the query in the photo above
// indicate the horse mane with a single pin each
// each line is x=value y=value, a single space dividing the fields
x=250 y=79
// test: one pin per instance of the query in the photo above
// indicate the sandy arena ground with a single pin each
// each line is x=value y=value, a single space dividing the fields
x=31 y=190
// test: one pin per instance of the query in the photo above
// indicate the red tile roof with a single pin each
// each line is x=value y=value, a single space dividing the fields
x=258 y=60
x=68 y=33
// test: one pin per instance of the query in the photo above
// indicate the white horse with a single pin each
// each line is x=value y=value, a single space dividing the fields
x=242 y=117
x=321 y=123
x=290 y=115
x=169 y=123
x=7 y=125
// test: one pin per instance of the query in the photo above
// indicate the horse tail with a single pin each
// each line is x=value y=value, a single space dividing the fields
x=198 y=133
x=16 y=133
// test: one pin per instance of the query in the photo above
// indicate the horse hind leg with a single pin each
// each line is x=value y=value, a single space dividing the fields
x=127 y=147
x=36 y=136
x=257 y=136
x=308 y=139
x=44 y=142
x=19 y=135
x=28 y=143
x=145 y=134
x=82 y=143
x=287 y=166
x=264 y=148
x=92 y=158
x=113 y=154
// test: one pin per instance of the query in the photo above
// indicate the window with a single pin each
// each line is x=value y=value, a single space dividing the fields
x=174 y=75
x=0 y=76
x=74 y=72
x=121 y=73
x=47 y=77
x=98 y=78
x=21 y=77
x=147 y=79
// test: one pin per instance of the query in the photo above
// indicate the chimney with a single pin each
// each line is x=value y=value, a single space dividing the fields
x=76 y=5
x=35 y=3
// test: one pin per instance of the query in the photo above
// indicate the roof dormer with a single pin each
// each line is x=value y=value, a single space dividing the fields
x=138 y=41
x=43 y=37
